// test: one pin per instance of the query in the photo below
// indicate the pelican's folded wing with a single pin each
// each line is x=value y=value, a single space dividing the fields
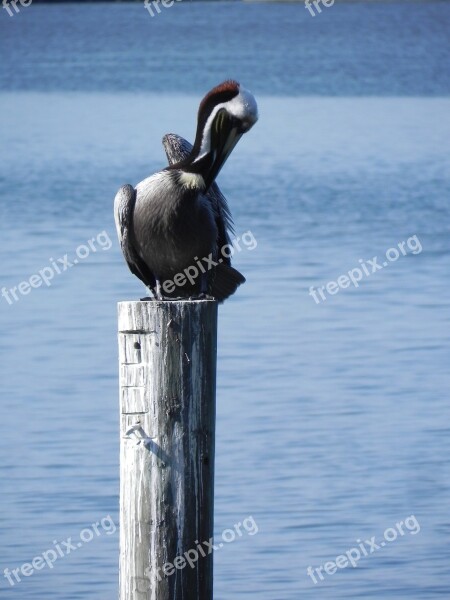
x=124 y=203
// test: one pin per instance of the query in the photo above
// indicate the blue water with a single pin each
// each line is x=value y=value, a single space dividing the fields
x=333 y=417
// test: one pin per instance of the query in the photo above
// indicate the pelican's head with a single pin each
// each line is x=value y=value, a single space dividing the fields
x=225 y=114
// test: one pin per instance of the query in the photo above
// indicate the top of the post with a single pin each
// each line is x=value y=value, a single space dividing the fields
x=139 y=316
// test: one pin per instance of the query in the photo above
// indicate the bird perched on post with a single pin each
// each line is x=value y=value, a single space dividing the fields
x=174 y=224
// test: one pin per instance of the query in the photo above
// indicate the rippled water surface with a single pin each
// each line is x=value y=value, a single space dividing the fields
x=333 y=416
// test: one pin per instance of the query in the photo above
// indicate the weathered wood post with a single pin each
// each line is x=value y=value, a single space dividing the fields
x=167 y=354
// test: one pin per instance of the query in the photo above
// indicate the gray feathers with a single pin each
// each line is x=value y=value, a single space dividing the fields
x=166 y=225
x=124 y=203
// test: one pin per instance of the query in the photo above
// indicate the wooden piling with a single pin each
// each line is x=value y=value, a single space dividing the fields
x=167 y=353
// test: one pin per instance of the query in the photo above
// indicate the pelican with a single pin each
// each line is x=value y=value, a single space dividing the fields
x=173 y=226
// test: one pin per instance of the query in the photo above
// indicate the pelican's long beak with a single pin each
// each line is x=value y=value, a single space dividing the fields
x=225 y=134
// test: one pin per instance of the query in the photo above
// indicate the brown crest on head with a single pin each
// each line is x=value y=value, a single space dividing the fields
x=221 y=93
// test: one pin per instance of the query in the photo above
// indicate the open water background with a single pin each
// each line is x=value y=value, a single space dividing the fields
x=333 y=418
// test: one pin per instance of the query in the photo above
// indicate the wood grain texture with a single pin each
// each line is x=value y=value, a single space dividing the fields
x=167 y=353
